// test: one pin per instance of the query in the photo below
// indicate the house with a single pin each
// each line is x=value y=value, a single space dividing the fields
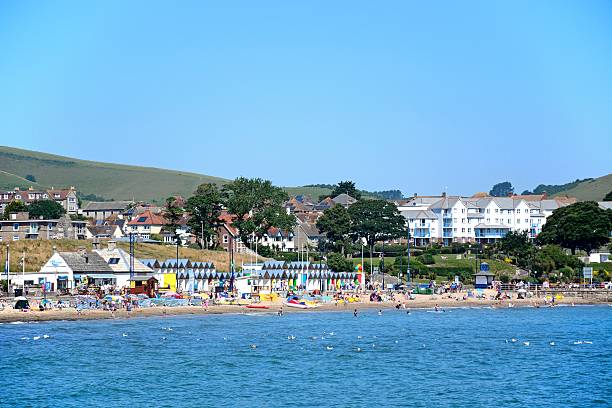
x=280 y=240
x=64 y=271
x=306 y=235
x=20 y=226
x=67 y=198
x=119 y=262
x=101 y=210
x=146 y=224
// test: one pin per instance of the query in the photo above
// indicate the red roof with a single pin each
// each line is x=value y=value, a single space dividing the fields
x=148 y=218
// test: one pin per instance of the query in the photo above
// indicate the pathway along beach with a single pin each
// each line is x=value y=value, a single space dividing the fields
x=421 y=302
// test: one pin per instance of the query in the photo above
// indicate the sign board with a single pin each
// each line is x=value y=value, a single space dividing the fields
x=47 y=286
x=587 y=272
x=484 y=267
x=456 y=279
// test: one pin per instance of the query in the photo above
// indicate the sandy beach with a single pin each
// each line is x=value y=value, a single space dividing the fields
x=421 y=302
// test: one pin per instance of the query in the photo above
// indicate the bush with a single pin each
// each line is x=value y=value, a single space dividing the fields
x=265 y=251
x=156 y=237
x=427 y=259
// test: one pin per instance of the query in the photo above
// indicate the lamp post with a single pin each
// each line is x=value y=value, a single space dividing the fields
x=176 y=274
x=408 y=277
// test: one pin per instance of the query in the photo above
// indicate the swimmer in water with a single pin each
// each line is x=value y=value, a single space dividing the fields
x=355 y=313
x=380 y=312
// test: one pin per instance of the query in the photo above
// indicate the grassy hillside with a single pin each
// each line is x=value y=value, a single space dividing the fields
x=591 y=190
x=111 y=181
x=39 y=251
x=8 y=181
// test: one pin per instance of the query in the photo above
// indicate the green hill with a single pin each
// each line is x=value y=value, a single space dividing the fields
x=8 y=181
x=111 y=181
x=590 y=190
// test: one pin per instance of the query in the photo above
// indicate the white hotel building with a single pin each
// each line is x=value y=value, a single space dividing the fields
x=483 y=219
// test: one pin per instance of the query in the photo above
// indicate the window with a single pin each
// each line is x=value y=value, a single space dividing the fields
x=15 y=237
x=113 y=261
x=463 y=220
x=462 y=229
x=455 y=229
x=509 y=221
x=71 y=199
x=225 y=239
x=496 y=210
x=518 y=210
x=469 y=230
x=488 y=210
x=17 y=197
x=463 y=210
x=45 y=196
x=56 y=195
x=518 y=221
x=488 y=220
x=0 y=238
x=15 y=227
x=142 y=219
x=526 y=220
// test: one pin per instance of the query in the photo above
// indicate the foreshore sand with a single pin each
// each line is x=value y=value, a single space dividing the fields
x=421 y=302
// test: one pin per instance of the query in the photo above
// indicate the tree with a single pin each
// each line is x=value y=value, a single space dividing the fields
x=205 y=208
x=503 y=189
x=578 y=226
x=375 y=220
x=608 y=197
x=14 y=207
x=258 y=206
x=346 y=187
x=335 y=223
x=173 y=213
x=517 y=245
x=338 y=263
x=31 y=178
x=47 y=209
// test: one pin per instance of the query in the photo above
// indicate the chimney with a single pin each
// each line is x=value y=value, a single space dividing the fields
x=81 y=251
x=545 y=195
x=16 y=188
x=54 y=249
x=96 y=244
x=112 y=245
x=444 y=194
x=30 y=188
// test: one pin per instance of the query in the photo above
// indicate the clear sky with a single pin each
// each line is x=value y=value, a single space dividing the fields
x=417 y=95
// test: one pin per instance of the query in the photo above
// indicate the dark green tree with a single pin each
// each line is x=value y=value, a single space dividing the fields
x=582 y=226
x=47 y=209
x=376 y=220
x=503 y=189
x=205 y=207
x=14 y=207
x=173 y=213
x=338 y=263
x=608 y=197
x=335 y=223
x=257 y=205
x=346 y=187
x=517 y=244
x=31 y=178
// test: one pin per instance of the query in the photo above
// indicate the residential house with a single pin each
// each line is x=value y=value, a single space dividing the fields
x=20 y=226
x=67 y=198
x=146 y=224
x=104 y=231
x=101 y=210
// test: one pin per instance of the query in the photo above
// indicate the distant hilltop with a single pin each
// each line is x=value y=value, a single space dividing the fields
x=100 y=181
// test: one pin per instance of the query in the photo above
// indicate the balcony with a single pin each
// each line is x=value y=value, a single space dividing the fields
x=447 y=234
x=421 y=233
x=447 y=224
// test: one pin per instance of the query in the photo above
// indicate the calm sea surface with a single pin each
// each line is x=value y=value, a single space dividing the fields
x=461 y=357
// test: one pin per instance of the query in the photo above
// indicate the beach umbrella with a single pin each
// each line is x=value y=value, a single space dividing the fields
x=21 y=303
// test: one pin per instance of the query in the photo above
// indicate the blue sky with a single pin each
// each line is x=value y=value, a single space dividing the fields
x=420 y=96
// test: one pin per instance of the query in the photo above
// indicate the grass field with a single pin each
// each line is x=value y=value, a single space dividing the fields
x=111 y=181
x=593 y=190
x=39 y=251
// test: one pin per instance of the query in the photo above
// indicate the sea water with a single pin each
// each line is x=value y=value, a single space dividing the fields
x=474 y=357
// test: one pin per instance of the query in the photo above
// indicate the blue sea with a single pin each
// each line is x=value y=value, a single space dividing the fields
x=561 y=357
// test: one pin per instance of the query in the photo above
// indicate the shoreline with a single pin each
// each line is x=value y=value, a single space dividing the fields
x=422 y=302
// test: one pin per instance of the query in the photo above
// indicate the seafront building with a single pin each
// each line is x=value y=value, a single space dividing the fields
x=20 y=226
x=480 y=218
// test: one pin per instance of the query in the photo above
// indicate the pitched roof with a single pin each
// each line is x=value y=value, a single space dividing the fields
x=107 y=205
x=344 y=199
x=123 y=260
x=86 y=262
x=419 y=214
x=148 y=218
